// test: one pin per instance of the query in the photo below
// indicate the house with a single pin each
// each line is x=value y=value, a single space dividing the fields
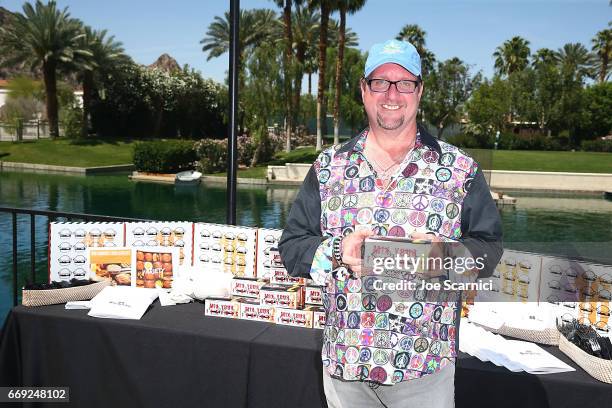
x=3 y=91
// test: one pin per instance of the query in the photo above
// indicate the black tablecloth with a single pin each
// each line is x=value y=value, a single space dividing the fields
x=177 y=357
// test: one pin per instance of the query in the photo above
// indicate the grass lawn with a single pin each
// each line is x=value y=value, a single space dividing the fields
x=573 y=162
x=96 y=152
x=63 y=152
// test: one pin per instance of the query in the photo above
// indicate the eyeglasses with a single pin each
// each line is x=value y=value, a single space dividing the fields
x=382 y=85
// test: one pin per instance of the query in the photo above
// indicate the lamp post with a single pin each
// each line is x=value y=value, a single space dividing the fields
x=232 y=139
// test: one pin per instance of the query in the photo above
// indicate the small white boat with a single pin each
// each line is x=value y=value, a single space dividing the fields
x=188 y=177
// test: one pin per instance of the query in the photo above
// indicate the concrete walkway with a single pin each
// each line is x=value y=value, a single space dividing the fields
x=48 y=168
x=498 y=179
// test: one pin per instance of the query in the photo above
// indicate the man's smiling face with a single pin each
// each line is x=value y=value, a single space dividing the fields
x=391 y=111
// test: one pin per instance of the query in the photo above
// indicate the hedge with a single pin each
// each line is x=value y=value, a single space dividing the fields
x=164 y=156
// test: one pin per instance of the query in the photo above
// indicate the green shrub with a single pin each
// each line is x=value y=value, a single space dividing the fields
x=72 y=121
x=597 y=145
x=164 y=156
x=211 y=155
x=471 y=141
x=534 y=141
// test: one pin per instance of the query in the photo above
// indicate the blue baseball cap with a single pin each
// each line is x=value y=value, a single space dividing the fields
x=393 y=51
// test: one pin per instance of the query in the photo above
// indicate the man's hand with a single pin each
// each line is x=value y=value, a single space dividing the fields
x=351 y=250
x=436 y=251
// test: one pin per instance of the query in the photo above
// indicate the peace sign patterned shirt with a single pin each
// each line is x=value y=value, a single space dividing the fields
x=368 y=337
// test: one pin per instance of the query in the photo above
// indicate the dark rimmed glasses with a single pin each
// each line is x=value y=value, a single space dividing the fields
x=383 y=85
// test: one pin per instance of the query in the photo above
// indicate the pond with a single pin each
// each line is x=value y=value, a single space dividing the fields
x=540 y=222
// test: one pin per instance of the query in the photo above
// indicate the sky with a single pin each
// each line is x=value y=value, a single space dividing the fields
x=468 y=29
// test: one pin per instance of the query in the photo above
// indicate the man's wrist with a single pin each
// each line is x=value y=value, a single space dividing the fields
x=337 y=251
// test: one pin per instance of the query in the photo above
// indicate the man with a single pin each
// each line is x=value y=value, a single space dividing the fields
x=392 y=179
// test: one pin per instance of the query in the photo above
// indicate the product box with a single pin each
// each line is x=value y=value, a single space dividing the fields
x=280 y=276
x=154 y=267
x=165 y=234
x=267 y=251
x=68 y=243
x=318 y=316
x=222 y=307
x=293 y=317
x=246 y=287
x=250 y=309
x=114 y=264
x=225 y=248
x=282 y=296
x=313 y=295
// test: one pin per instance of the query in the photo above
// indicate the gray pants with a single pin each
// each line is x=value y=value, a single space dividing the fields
x=432 y=391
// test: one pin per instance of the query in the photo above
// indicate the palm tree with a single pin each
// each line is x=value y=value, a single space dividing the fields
x=287 y=62
x=311 y=67
x=512 y=56
x=104 y=52
x=602 y=47
x=344 y=6
x=575 y=61
x=415 y=35
x=45 y=37
x=544 y=57
x=255 y=26
x=305 y=30
x=325 y=8
x=333 y=36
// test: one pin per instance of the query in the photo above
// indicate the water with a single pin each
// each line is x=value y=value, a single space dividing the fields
x=556 y=222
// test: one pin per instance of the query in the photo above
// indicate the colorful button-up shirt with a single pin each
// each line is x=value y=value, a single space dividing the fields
x=438 y=189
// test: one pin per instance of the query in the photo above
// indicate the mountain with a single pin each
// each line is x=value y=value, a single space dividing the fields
x=4 y=15
x=166 y=63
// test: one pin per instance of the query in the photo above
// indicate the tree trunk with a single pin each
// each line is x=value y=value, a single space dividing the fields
x=441 y=129
x=256 y=153
x=297 y=92
x=322 y=60
x=300 y=54
x=604 y=66
x=49 y=78
x=309 y=83
x=158 y=119
x=261 y=134
x=287 y=73
x=87 y=93
x=339 y=64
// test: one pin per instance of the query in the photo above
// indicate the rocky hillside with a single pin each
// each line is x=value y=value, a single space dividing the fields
x=166 y=63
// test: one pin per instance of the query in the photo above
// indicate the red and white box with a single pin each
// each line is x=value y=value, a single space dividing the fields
x=222 y=307
x=318 y=316
x=314 y=295
x=246 y=287
x=293 y=317
x=291 y=297
x=280 y=276
x=250 y=309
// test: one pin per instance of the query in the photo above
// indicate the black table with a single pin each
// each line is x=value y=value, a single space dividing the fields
x=176 y=357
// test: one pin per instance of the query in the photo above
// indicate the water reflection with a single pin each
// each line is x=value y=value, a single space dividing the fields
x=559 y=223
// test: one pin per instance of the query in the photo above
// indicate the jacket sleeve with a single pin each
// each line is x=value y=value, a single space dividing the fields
x=481 y=226
x=302 y=238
